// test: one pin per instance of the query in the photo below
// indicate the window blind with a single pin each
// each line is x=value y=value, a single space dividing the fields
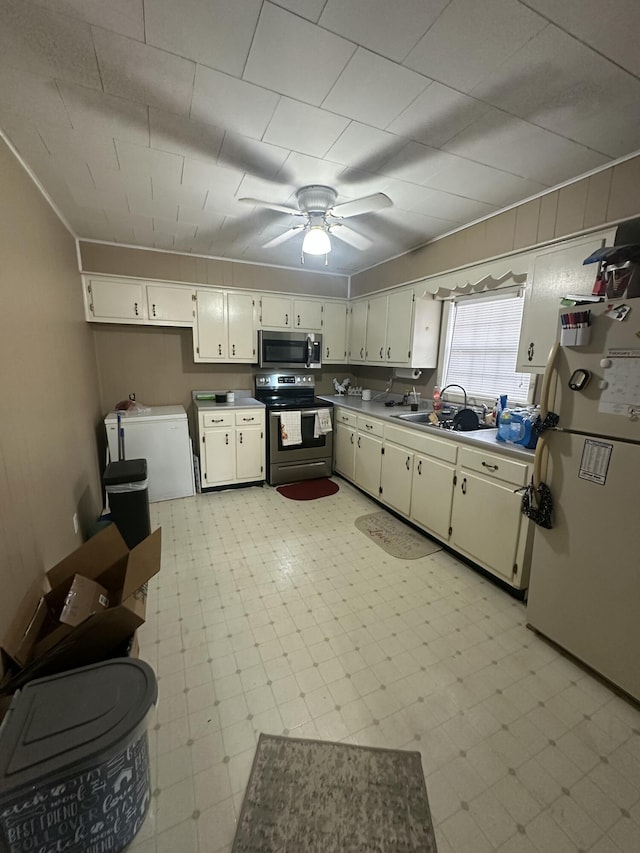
x=482 y=346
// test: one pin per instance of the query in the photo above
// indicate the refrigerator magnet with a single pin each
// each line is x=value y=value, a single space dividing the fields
x=579 y=379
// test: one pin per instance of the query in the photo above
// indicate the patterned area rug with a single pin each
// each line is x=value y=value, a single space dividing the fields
x=309 y=490
x=394 y=537
x=322 y=797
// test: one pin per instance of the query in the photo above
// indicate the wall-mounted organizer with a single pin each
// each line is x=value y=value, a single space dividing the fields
x=576 y=329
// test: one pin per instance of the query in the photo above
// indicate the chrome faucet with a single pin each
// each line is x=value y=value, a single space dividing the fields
x=453 y=385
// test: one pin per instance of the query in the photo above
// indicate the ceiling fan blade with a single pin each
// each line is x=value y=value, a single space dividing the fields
x=366 y=204
x=348 y=235
x=259 y=203
x=282 y=238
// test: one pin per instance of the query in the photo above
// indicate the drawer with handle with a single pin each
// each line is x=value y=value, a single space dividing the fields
x=252 y=418
x=216 y=419
x=370 y=426
x=494 y=465
x=344 y=417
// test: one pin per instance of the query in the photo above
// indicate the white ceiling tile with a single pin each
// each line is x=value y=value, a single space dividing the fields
x=141 y=160
x=32 y=96
x=142 y=73
x=309 y=9
x=308 y=130
x=306 y=62
x=188 y=138
x=98 y=151
x=363 y=147
x=470 y=40
x=116 y=182
x=483 y=183
x=303 y=170
x=97 y=113
x=36 y=40
x=374 y=90
x=231 y=103
x=197 y=216
x=437 y=115
x=217 y=33
x=258 y=158
x=24 y=136
x=611 y=27
x=390 y=29
x=121 y=16
x=200 y=175
x=187 y=196
x=522 y=149
x=163 y=209
x=416 y=163
x=437 y=204
x=168 y=229
x=111 y=197
x=558 y=83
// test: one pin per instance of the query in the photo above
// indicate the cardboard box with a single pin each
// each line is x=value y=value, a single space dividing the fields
x=38 y=644
x=85 y=597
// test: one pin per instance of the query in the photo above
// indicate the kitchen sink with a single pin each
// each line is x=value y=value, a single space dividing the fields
x=422 y=419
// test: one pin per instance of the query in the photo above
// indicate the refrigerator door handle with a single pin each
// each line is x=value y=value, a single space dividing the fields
x=548 y=380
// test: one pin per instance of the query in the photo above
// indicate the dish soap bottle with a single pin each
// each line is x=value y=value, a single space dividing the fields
x=437 y=402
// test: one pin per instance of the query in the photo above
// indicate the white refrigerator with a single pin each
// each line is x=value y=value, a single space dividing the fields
x=584 y=591
x=161 y=436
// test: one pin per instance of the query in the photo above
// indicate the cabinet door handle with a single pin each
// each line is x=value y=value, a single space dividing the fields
x=246 y=420
x=298 y=319
x=286 y=319
x=135 y=308
x=219 y=349
x=369 y=426
x=490 y=467
x=381 y=352
x=420 y=467
x=530 y=351
x=233 y=349
x=361 y=352
x=351 y=438
x=153 y=309
x=463 y=486
x=226 y=438
x=217 y=420
x=408 y=463
x=358 y=441
x=240 y=438
x=389 y=352
x=327 y=355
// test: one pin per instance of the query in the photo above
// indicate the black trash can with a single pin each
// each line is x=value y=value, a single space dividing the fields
x=74 y=760
x=128 y=490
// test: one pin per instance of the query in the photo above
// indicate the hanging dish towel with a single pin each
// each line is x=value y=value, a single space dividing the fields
x=322 y=423
x=290 y=428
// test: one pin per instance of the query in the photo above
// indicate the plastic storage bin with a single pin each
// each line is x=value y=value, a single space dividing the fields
x=127 y=486
x=74 y=760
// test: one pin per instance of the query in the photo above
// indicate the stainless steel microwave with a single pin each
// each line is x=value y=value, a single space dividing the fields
x=289 y=349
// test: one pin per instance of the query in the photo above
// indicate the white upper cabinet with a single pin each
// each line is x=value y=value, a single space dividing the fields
x=166 y=304
x=115 y=300
x=276 y=312
x=376 y=330
x=358 y=331
x=225 y=328
x=554 y=272
x=307 y=315
x=399 y=327
x=334 y=333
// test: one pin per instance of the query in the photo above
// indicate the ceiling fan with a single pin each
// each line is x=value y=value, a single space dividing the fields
x=316 y=204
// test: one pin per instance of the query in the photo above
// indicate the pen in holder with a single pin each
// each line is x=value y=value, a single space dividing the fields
x=576 y=329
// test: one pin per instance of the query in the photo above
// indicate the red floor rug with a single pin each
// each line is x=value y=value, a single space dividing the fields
x=309 y=490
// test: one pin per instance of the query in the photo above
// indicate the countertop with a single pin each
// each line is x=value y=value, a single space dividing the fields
x=238 y=403
x=484 y=438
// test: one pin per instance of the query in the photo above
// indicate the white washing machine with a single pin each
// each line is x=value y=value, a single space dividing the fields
x=161 y=436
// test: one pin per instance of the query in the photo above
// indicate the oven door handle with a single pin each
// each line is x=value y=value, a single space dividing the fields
x=303 y=412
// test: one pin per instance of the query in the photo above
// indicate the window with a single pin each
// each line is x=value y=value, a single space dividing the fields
x=482 y=346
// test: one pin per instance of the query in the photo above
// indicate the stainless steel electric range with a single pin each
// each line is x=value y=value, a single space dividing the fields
x=313 y=456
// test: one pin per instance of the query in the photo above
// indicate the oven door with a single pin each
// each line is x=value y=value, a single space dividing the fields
x=290 y=463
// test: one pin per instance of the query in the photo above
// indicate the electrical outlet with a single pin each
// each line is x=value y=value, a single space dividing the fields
x=76 y=525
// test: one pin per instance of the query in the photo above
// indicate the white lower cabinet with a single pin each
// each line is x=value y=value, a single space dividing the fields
x=395 y=477
x=487 y=522
x=459 y=494
x=345 y=443
x=232 y=447
x=368 y=455
x=432 y=495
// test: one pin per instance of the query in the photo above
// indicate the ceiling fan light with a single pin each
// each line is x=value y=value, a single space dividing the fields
x=316 y=241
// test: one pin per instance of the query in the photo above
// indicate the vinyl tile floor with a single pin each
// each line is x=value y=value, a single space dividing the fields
x=278 y=616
